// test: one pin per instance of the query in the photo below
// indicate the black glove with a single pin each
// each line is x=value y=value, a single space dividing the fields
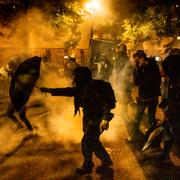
x=43 y=89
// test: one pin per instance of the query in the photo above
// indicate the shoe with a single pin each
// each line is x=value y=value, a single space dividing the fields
x=105 y=171
x=102 y=169
x=107 y=163
x=104 y=166
x=30 y=128
x=82 y=171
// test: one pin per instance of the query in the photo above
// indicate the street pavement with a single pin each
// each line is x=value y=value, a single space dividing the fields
x=53 y=150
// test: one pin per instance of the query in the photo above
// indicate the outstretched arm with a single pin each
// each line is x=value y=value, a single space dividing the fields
x=69 y=91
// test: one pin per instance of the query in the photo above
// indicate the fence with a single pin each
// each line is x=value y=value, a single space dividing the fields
x=56 y=54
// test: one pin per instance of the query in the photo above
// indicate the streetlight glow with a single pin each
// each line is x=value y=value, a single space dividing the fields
x=92 y=6
x=96 y=4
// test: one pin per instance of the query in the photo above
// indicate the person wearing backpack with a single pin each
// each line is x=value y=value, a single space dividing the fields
x=96 y=97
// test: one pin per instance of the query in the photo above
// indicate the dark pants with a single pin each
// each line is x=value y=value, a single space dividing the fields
x=91 y=144
x=175 y=121
x=151 y=106
x=22 y=115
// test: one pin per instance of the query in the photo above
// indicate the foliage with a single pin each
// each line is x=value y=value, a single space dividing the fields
x=68 y=19
x=159 y=17
x=63 y=15
x=155 y=21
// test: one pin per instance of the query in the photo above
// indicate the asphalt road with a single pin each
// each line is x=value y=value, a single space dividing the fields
x=53 y=150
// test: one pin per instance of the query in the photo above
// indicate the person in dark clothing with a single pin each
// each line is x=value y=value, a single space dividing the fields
x=89 y=94
x=170 y=106
x=148 y=79
x=171 y=66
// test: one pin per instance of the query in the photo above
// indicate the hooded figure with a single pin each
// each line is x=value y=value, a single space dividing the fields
x=96 y=97
x=171 y=66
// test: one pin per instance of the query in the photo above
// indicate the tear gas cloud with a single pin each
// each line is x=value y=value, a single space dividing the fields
x=30 y=32
x=38 y=33
x=62 y=124
x=58 y=123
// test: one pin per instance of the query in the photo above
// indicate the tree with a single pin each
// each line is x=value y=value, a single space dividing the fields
x=68 y=18
x=154 y=21
x=61 y=14
x=9 y=11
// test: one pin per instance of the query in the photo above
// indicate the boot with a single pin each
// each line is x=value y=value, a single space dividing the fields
x=85 y=169
x=104 y=166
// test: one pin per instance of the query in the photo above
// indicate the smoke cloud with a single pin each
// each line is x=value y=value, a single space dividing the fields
x=29 y=32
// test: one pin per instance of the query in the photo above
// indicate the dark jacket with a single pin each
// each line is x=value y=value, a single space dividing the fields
x=90 y=98
x=148 y=80
x=171 y=67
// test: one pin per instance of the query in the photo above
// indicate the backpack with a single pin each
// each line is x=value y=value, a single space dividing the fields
x=106 y=93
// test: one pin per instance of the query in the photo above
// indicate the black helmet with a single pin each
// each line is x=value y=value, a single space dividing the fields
x=82 y=75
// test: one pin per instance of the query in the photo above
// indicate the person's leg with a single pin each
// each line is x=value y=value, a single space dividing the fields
x=87 y=155
x=168 y=141
x=22 y=115
x=152 y=106
x=140 y=110
x=87 y=150
x=10 y=114
x=101 y=153
x=176 y=133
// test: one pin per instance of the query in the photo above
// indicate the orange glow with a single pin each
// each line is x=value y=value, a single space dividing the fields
x=93 y=6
